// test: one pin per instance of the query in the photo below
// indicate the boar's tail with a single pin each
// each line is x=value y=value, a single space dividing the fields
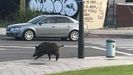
x=61 y=46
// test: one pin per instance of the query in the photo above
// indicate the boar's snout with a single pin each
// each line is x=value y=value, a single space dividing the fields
x=34 y=55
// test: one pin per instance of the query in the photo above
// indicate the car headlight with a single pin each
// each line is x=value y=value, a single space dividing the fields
x=15 y=29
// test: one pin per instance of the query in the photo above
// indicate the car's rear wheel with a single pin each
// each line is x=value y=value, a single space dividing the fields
x=28 y=35
x=74 y=35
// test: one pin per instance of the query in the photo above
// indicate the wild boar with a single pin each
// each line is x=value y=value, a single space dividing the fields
x=47 y=48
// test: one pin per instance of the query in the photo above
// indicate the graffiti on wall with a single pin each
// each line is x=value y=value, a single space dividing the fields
x=63 y=7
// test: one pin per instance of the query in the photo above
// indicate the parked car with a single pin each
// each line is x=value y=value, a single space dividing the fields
x=46 y=26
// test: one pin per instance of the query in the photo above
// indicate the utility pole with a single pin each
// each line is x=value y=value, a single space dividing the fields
x=81 y=32
x=22 y=5
x=114 y=14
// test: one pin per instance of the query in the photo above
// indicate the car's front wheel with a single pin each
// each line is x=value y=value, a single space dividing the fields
x=74 y=35
x=28 y=35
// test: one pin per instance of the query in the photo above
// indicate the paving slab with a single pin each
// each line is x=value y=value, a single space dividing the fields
x=43 y=66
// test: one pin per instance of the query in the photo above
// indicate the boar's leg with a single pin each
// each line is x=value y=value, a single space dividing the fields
x=49 y=57
x=37 y=57
x=57 y=56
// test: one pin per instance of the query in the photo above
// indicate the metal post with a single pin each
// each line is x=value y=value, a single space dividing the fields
x=81 y=32
x=114 y=13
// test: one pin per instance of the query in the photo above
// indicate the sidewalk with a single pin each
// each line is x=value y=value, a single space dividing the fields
x=43 y=66
x=122 y=32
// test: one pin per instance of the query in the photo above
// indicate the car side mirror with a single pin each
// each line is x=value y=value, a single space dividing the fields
x=40 y=23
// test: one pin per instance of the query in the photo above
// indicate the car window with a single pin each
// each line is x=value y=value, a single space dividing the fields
x=36 y=19
x=49 y=20
x=63 y=20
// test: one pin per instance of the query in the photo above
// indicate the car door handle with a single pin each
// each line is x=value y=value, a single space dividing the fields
x=68 y=26
x=53 y=26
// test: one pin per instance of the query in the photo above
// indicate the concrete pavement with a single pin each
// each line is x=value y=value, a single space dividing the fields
x=43 y=66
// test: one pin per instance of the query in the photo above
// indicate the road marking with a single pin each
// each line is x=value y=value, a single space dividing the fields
x=126 y=47
x=99 y=48
x=128 y=54
x=72 y=46
x=2 y=49
x=16 y=47
x=130 y=48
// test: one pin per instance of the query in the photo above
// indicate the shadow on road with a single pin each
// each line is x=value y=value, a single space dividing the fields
x=4 y=37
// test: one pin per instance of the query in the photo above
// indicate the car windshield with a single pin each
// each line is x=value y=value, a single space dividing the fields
x=36 y=19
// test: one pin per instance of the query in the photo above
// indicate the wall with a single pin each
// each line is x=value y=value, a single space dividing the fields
x=124 y=15
x=111 y=13
x=63 y=7
x=94 y=13
x=94 y=10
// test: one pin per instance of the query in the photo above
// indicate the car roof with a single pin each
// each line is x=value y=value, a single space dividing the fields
x=61 y=16
x=54 y=15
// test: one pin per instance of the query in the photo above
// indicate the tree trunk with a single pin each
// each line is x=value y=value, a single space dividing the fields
x=22 y=5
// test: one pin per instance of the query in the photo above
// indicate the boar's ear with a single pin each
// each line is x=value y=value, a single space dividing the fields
x=35 y=46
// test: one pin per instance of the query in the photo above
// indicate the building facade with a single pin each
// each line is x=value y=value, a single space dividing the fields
x=95 y=15
x=92 y=8
x=119 y=13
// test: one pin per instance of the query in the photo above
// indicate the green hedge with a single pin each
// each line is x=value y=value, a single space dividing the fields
x=18 y=17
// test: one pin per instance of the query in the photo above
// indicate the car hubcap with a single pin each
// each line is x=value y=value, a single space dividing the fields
x=74 y=35
x=29 y=35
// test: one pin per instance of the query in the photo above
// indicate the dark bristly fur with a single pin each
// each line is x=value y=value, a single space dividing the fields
x=47 y=48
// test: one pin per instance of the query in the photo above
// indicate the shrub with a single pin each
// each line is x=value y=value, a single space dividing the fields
x=19 y=17
x=24 y=16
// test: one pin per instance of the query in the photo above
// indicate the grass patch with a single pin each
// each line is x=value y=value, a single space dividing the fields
x=114 y=70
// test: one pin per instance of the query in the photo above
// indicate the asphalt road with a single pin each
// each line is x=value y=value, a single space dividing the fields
x=12 y=49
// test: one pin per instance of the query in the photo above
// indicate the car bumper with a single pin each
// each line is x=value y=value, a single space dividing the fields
x=13 y=34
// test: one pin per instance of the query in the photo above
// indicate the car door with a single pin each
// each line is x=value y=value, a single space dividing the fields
x=62 y=26
x=45 y=28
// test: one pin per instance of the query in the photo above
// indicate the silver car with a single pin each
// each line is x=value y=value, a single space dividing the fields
x=46 y=26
